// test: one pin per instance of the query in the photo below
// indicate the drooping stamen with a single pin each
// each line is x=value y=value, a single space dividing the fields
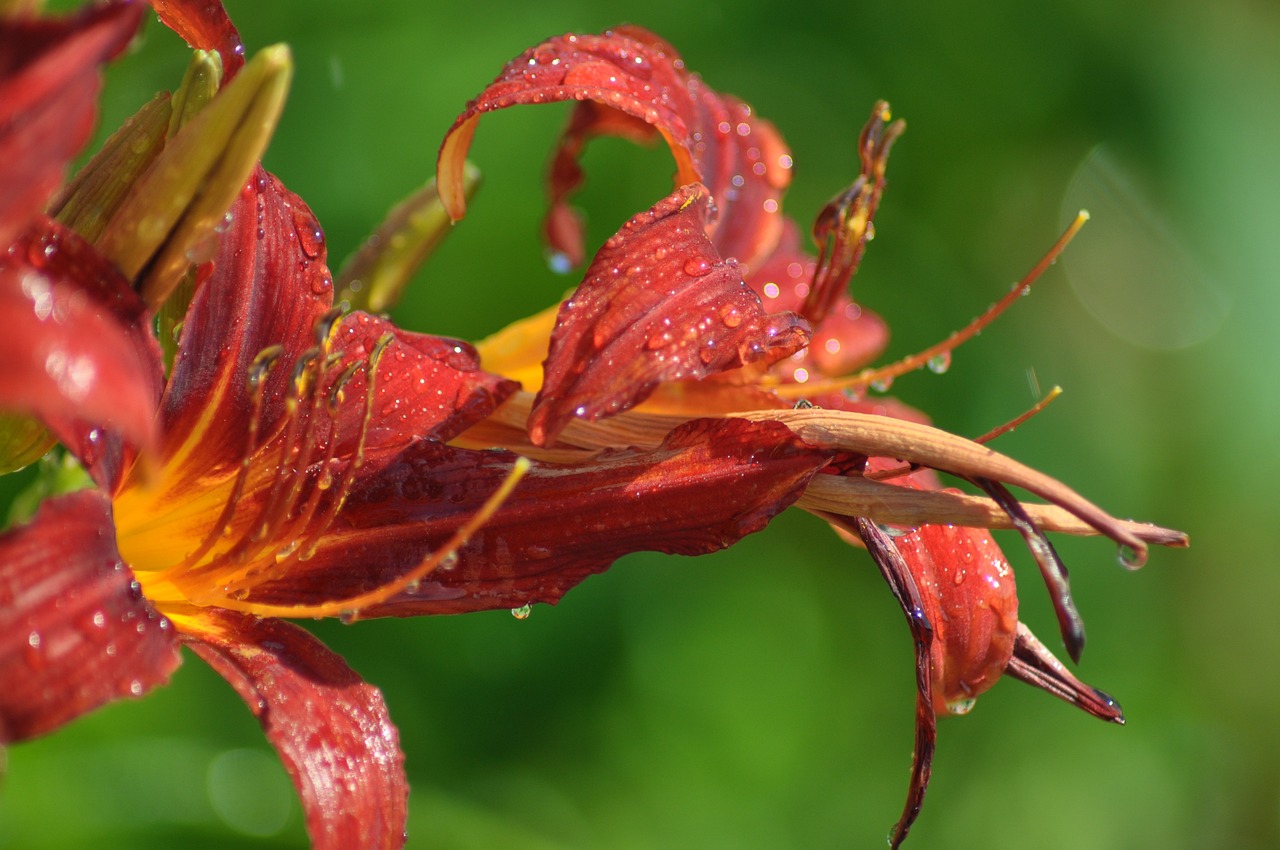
x=1051 y=567
x=886 y=374
x=258 y=371
x=1013 y=423
x=350 y=607
x=1034 y=664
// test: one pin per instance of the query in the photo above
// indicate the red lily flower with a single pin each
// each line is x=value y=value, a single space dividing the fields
x=306 y=463
x=301 y=469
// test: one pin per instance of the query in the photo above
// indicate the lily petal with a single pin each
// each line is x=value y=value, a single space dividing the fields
x=204 y=25
x=331 y=729
x=78 y=350
x=562 y=523
x=68 y=605
x=657 y=304
x=49 y=81
x=632 y=83
x=269 y=286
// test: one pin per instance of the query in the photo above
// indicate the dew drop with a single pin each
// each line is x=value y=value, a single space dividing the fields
x=1130 y=558
x=961 y=706
x=449 y=561
x=882 y=385
x=940 y=363
x=697 y=267
x=523 y=612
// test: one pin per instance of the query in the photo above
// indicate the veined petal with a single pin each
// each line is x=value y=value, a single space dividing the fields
x=331 y=729
x=632 y=83
x=710 y=483
x=75 y=633
x=969 y=596
x=49 y=80
x=268 y=285
x=78 y=349
x=657 y=304
x=204 y=25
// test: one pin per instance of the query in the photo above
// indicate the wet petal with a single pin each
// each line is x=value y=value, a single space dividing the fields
x=969 y=595
x=205 y=26
x=657 y=304
x=710 y=483
x=49 y=81
x=633 y=84
x=78 y=349
x=331 y=729
x=75 y=633
x=268 y=285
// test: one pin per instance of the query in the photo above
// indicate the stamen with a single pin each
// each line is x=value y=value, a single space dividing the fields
x=1000 y=430
x=357 y=457
x=350 y=607
x=886 y=374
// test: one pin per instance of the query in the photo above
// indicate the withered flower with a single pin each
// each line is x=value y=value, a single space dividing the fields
x=706 y=306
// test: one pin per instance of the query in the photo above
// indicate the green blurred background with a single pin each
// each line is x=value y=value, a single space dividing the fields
x=762 y=698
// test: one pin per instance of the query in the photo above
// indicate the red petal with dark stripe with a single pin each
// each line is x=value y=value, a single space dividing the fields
x=331 y=729
x=205 y=26
x=708 y=485
x=75 y=632
x=78 y=348
x=657 y=304
x=49 y=81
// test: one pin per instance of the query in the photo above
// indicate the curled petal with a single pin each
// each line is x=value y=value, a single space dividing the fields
x=331 y=729
x=631 y=83
x=657 y=304
x=204 y=25
x=49 y=80
x=75 y=632
x=898 y=575
x=78 y=350
x=1034 y=664
x=708 y=484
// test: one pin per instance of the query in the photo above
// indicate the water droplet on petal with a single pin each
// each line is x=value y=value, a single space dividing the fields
x=697 y=267
x=961 y=706
x=523 y=612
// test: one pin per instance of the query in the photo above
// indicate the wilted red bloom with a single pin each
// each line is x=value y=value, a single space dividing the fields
x=307 y=463
x=706 y=305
